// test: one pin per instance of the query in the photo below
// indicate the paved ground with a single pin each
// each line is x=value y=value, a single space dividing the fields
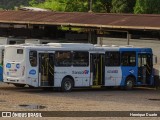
x=139 y=99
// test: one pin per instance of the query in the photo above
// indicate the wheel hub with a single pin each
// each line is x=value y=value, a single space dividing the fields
x=67 y=85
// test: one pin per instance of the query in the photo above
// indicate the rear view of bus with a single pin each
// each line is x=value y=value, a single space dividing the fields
x=14 y=65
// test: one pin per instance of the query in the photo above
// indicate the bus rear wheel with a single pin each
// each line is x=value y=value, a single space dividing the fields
x=129 y=83
x=19 y=85
x=67 y=85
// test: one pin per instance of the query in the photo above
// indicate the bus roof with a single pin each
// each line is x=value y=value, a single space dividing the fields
x=71 y=45
x=55 y=46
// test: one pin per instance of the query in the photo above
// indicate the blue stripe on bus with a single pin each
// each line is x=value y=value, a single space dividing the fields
x=1 y=73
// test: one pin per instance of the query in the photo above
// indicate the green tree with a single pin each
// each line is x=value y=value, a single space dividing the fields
x=147 y=7
x=140 y=7
x=123 y=6
x=74 y=5
x=48 y=4
x=102 y=6
x=62 y=5
x=33 y=2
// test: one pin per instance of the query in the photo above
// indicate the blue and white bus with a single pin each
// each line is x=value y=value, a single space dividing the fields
x=69 y=65
x=1 y=62
x=128 y=67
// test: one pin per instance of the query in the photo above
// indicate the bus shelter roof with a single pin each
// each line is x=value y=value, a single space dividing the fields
x=82 y=19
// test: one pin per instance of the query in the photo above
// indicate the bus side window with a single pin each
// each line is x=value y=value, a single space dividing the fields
x=128 y=58
x=80 y=58
x=33 y=58
x=63 y=58
x=12 y=42
x=45 y=42
x=1 y=57
x=112 y=58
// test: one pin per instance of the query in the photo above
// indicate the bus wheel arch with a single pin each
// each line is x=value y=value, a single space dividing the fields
x=67 y=83
x=130 y=82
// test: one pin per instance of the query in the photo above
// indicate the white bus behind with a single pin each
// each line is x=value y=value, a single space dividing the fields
x=39 y=41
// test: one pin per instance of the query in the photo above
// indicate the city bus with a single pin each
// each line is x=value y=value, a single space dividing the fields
x=11 y=40
x=71 y=65
x=3 y=42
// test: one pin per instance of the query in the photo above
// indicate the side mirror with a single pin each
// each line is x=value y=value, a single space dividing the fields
x=154 y=59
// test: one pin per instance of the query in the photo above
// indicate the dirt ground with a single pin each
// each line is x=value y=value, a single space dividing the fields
x=139 y=99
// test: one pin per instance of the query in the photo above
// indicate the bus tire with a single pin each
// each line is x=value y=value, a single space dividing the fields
x=109 y=87
x=129 y=84
x=67 y=84
x=19 y=85
x=31 y=86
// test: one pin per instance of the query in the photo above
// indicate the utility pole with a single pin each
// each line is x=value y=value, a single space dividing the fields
x=128 y=38
x=90 y=32
x=90 y=5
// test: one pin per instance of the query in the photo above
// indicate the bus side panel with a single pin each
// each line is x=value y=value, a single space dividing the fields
x=80 y=75
x=113 y=76
x=128 y=71
x=59 y=73
x=32 y=76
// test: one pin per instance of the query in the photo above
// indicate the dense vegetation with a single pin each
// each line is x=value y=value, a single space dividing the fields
x=10 y=4
x=147 y=6
x=109 y=6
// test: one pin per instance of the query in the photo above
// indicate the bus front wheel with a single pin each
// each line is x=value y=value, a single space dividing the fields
x=67 y=85
x=129 y=83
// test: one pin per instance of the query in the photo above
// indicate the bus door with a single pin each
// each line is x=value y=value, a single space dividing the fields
x=46 y=69
x=144 y=68
x=97 y=68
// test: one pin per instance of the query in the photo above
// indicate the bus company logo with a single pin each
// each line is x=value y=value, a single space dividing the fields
x=32 y=72
x=112 y=71
x=86 y=71
x=81 y=72
x=8 y=65
x=17 y=66
x=131 y=71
